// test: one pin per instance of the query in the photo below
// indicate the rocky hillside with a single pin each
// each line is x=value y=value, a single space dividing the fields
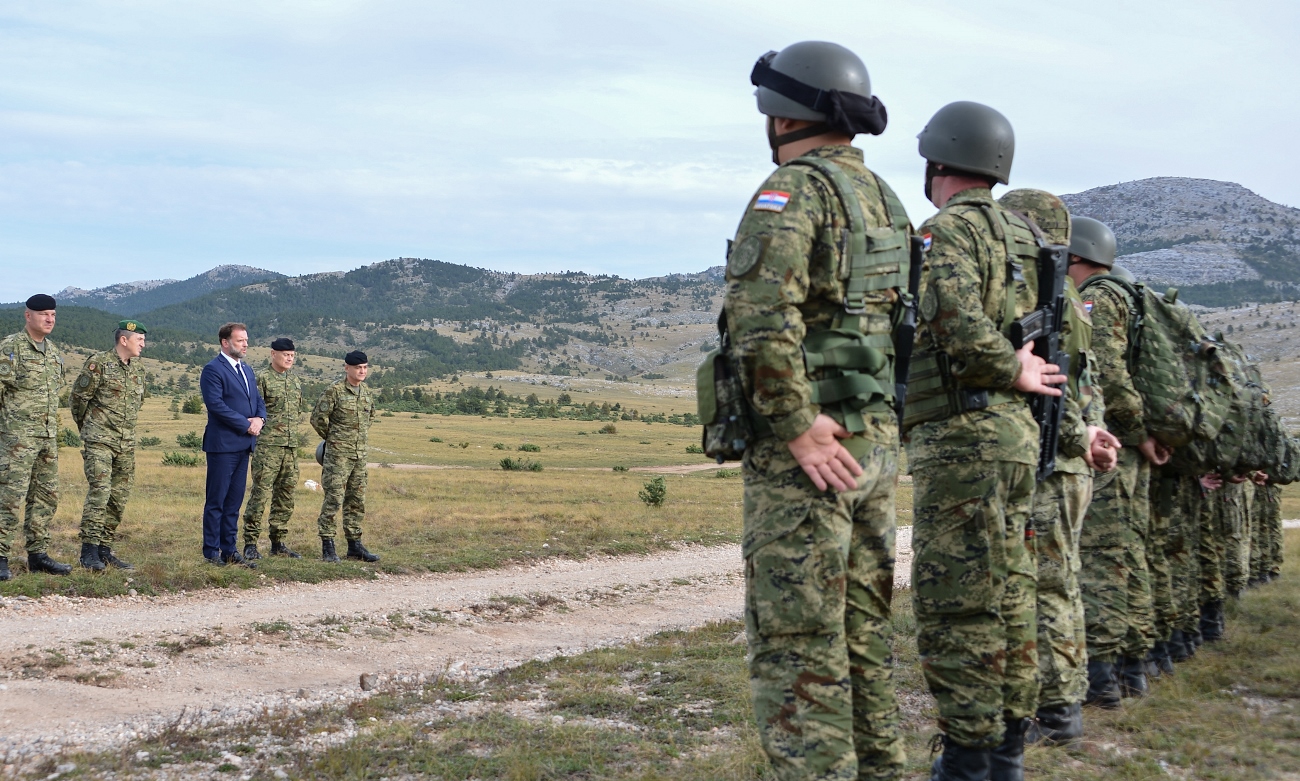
x=132 y=298
x=1218 y=241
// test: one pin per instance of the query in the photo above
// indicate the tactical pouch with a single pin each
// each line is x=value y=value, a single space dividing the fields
x=856 y=373
x=729 y=425
x=933 y=393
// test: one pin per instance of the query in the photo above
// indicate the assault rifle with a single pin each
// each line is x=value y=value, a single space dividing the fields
x=1043 y=327
x=905 y=332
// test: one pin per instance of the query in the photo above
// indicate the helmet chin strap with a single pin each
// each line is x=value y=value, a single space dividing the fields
x=776 y=142
x=931 y=171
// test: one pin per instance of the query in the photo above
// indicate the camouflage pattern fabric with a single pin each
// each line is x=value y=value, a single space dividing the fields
x=282 y=393
x=31 y=377
x=1213 y=548
x=1111 y=311
x=817 y=617
x=1060 y=503
x=342 y=417
x=1164 y=613
x=110 y=474
x=1273 y=523
x=974 y=597
x=1181 y=550
x=343 y=480
x=106 y=400
x=275 y=474
x=1112 y=559
x=29 y=482
x=1141 y=635
x=1236 y=526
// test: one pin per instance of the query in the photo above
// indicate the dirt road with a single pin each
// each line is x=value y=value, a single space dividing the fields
x=95 y=673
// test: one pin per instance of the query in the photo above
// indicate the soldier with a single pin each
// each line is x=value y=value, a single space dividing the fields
x=1215 y=528
x=106 y=399
x=973 y=445
x=342 y=418
x=1116 y=532
x=275 y=460
x=1261 y=507
x=31 y=376
x=1061 y=500
x=815 y=275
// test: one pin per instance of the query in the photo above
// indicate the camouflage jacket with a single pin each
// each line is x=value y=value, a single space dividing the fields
x=106 y=398
x=785 y=277
x=963 y=297
x=1084 y=404
x=342 y=417
x=283 y=396
x=30 y=381
x=1111 y=311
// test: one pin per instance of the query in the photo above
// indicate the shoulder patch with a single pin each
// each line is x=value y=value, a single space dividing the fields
x=771 y=201
x=929 y=304
x=926 y=241
x=1087 y=306
x=745 y=256
x=90 y=366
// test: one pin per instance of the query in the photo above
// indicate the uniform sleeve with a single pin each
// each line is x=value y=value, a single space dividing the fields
x=1094 y=413
x=320 y=416
x=8 y=371
x=767 y=278
x=83 y=390
x=952 y=305
x=1109 y=344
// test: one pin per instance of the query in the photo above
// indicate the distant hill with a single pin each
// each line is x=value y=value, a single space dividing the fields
x=132 y=298
x=1217 y=241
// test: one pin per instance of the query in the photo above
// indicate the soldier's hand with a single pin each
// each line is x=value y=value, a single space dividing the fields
x=1236 y=479
x=823 y=458
x=1211 y=481
x=1259 y=478
x=1037 y=375
x=254 y=426
x=1155 y=452
x=1103 y=449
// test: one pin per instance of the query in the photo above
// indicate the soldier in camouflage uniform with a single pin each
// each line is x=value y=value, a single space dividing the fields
x=275 y=460
x=106 y=398
x=1261 y=512
x=31 y=376
x=1061 y=500
x=1116 y=576
x=1269 y=501
x=1235 y=496
x=1178 y=497
x=813 y=281
x=1212 y=553
x=342 y=418
x=973 y=444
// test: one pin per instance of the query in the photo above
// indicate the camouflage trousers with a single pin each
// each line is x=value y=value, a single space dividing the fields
x=1213 y=548
x=275 y=474
x=109 y=474
x=1160 y=509
x=1112 y=550
x=343 y=480
x=29 y=490
x=1059 y=506
x=1181 y=547
x=1236 y=561
x=1273 y=526
x=973 y=591
x=819 y=579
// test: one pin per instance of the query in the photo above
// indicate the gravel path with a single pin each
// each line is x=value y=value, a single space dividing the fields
x=96 y=673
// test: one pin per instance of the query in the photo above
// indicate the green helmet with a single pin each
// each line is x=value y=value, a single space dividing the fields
x=1092 y=240
x=1046 y=210
x=817 y=64
x=1119 y=271
x=970 y=137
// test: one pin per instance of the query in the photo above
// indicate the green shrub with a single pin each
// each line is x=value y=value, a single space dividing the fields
x=694 y=449
x=498 y=446
x=727 y=473
x=150 y=441
x=520 y=465
x=387 y=414
x=172 y=458
x=620 y=468
x=69 y=438
x=435 y=439
x=529 y=447
x=654 y=376
x=608 y=428
x=654 y=493
x=464 y=445
x=193 y=405
x=190 y=440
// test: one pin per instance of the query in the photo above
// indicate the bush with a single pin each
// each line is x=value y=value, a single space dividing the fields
x=529 y=447
x=654 y=493
x=723 y=473
x=608 y=428
x=387 y=414
x=520 y=465
x=193 y=405
x=464 y=446
x=150 y=441
x=694 y=449
x=435 y=439
x=171 y=458
x=69 y=438
x=620 y=468
x=190 y=440
x=498 y=446
x=654 y=376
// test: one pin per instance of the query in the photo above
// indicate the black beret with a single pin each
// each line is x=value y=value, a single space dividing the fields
x=355 y=358
x=282 y=345
x=40 y=303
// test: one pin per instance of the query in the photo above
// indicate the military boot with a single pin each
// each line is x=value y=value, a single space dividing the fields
x=1056 y=725
x=1007 y=761
x=327 y=549
x=90 y=557
x=4 y=569
x=958 y=763
x=278 y=548
x=1212 y=621
x=106 y=556
x=1164 y=657
x=1151 y=665
x=1180 y=646
x=1103 y=688
x=358 y=551
x=1132 y=676
x=250 y=552
x=41 y=562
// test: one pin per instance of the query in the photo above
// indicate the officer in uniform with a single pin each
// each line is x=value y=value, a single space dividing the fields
x=816 y=276
x=275 y=459
x=106 y=398
x=342 y=418
x=31 y=376
x=1061 y=500
x=1116 y=576
x=973 y=444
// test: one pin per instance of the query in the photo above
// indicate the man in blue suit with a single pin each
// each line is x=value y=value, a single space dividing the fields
x=236 y=413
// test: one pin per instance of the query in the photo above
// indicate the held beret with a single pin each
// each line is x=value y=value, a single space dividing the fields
x=40 y=303
x=355 y=358
x=282 y=345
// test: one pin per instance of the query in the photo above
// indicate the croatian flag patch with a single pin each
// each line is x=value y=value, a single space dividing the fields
x=1087 y=307
x=771 y=201
x=926 y=242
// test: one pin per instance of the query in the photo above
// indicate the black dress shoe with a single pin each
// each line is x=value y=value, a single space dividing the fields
x=250 y=552
x=235 y=558
x=278 y=548
x=40 y=562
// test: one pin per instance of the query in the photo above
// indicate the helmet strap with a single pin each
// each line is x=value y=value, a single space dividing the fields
x=931 y=171
x=776 y=142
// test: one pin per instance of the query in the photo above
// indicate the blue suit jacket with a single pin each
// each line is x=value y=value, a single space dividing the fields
x=230 y=406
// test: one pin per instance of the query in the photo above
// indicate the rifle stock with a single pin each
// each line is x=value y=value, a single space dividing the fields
x=1043 y=328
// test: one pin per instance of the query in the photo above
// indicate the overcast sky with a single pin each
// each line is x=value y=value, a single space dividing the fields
x=143 y=139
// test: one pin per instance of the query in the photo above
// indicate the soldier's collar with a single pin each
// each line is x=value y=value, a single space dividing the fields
x=830 y=151
x=971 y=195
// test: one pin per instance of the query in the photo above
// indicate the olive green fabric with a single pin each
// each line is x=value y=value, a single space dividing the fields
x=31 y=378
x=970 y=137
x=106 y=400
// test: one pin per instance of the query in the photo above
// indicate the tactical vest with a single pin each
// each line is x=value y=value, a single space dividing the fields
x=932 y=392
